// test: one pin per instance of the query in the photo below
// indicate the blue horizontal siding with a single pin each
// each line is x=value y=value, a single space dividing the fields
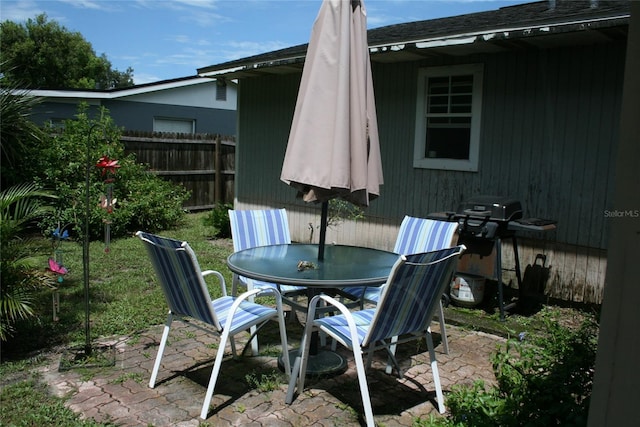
x=548 y=138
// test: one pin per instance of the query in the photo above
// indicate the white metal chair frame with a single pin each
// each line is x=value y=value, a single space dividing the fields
x=188 y=298
x=431 y=235
x=412 y=305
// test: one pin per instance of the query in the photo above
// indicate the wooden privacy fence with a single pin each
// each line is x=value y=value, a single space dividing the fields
x=203 y=163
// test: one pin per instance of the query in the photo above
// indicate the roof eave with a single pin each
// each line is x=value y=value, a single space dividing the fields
x=505 y=32
x=254 y=68
x=237 y=69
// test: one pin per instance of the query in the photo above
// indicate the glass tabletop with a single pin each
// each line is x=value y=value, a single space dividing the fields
x=297 y=264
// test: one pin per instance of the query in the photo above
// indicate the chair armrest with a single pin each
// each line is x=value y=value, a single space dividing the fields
x=329 y=300
x=220 y=279
x=245 y=296
x=343 y=310
x=259 y=291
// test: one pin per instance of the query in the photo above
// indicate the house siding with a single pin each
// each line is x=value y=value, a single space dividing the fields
x=135 y=108
x=548 y=137
x=266 y=105
x=140 y=115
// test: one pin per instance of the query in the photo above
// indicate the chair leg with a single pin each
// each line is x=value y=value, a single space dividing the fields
x=163 y=343
x=443 y=329
x=252 y=331
x=232 y=341
x=298 y=373
x=214 y=374
x=369 y=358
x=435 y=373
x=364 y=388
x=292 y=380
x=443 y=334
x=392 y=362
x=392 y=353
x=283 y=339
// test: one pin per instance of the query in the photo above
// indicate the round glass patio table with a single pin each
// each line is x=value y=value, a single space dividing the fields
x=342 y=266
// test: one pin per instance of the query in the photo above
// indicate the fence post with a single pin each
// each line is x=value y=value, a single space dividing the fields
x=218 y=172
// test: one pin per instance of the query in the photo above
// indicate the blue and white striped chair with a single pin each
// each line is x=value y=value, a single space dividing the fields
x=188 y=297
x=406 y=307
x=417 y=235
x=252 y=228
x=262 y=227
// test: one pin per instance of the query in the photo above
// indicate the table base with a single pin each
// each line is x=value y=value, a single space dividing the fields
x=324 y=363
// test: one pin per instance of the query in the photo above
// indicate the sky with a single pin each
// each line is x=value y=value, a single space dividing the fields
x=168 y=39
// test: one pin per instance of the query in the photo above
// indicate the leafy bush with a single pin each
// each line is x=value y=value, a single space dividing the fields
x=60 y=163
x=542 y=380
x=218 y=218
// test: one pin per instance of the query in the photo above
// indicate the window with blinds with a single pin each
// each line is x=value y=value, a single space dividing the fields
x=447 y=125
x=448 y=117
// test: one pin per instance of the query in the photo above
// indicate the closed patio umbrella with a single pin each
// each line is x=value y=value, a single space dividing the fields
x=333 y=149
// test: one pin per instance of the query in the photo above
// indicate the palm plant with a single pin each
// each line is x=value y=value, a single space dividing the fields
x=17 y=130
x=21 y=275
x=19 y=205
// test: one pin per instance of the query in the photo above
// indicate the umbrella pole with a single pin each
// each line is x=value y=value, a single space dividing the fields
x=323 y=229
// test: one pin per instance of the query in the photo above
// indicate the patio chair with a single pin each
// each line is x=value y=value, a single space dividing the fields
x=252 y=228
x=255 y=227
x=188 y=298
x=405 y=308
x=417 y=235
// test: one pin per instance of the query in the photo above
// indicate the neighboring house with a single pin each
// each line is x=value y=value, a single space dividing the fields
x=186 y=105
x=538 y=122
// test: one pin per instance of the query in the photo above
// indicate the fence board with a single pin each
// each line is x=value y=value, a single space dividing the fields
x=196 y=162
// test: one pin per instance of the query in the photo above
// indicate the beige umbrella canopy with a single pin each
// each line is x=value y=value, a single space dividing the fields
x=333 y=149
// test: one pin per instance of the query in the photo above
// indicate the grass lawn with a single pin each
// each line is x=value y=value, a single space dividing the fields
x=124 y=297
x=125 y=300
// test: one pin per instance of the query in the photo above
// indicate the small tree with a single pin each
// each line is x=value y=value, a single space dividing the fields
x=144 y=201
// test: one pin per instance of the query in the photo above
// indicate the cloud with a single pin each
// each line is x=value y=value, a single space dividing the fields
x=143 y=78
x=206 y=4
x=240 y=49
x=19 y=11
x=86 y=4
x=204 y=19
x=176 y=4
x=180 y=38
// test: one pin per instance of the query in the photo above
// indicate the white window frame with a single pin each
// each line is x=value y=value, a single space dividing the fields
x=420 y=160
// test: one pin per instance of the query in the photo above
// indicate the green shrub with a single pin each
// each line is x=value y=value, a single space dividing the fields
x=143 y=200
x=541 y=381
x=218 y=218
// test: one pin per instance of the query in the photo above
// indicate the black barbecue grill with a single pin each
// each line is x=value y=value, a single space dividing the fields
x=487 y=216
x=483 y=222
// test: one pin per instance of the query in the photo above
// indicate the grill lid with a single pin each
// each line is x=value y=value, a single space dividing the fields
x=492 y=208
